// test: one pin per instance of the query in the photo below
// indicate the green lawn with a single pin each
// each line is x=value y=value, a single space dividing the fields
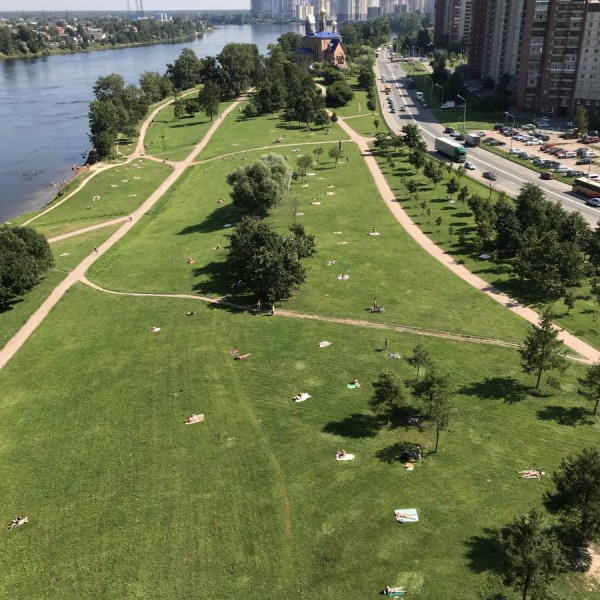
x=414 y=289
x=125 y=501
x=237 y=134
x=173 y=139
x=121 y=189
x=364 y=125
x=358 y=104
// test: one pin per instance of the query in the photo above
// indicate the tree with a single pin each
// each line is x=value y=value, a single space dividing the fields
x=321 y=118
x=542 y=350
x=239 y=68
x=412 y=137
x=452 y=186
x=25 y=256
x=289 y=41
x=303 y=162
x=178 y=109
x=590 y=385
x=569 y=302
x=261 y=185
x=268 y=263
x=420 y=358
x=105 y=122
x=376 y=123
x=334 y=118
x=155 y=86
x=317 y=152
x=184 y=73
x=412 y=186
x=577 y=495
x=302 y=242
x=339 y=94
x=209 y=98
x=441 y=407
x=336 y=154
x=581 y=119
x=388 y=395
x=417 y=159
x=532 y=555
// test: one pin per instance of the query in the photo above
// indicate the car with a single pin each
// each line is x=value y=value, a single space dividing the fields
x=490 y=175
x=594 y=177
x=449 y=130
x=533 y=143
x=570 y=154
x=593 y=202
x=575 y=173
x=424 y=105
x=584 y=161
x=544 y=125
x=516 y=151
x=563 y=170
x=498 y=143
x=547 y=175
x=470 y=166
x=402 y=107
x=481 y=133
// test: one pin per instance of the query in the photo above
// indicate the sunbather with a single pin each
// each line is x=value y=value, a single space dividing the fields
x=194 y=418
x=18 y=521
x=531 y=473
x=340 y=453
x=154 y=329
x=389 y=591
x=241 y=356
x=355 y=383
x=191 y=261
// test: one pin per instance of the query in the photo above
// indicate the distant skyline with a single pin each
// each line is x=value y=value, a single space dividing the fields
x=60 y=6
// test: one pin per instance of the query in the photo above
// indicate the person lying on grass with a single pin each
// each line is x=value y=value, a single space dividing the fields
x=531 y=473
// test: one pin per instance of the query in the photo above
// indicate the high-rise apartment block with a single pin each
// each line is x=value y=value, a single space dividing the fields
x=551 y=48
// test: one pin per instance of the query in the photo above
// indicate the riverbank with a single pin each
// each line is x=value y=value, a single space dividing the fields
x=102 y=48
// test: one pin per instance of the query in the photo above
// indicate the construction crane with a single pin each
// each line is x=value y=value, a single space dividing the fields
x=139 y=7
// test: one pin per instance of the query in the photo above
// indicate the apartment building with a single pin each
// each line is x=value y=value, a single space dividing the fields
x=453 y=18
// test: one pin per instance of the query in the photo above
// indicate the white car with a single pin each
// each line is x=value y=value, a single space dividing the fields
x=402 y=107
x=534 y=143
x=481 y=133
x=470 y=166
x=516 y=151
x=571 y=154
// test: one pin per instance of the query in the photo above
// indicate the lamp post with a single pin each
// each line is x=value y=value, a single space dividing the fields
x=511 y=133
x=431 y=90
x=464 y=113
x=441 y=88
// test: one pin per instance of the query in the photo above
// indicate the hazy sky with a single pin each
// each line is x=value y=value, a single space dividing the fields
x=149 y=5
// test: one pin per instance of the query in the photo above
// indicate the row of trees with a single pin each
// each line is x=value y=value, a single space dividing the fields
x=25 y=256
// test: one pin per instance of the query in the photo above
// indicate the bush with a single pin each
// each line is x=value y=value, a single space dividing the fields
x=339 y=94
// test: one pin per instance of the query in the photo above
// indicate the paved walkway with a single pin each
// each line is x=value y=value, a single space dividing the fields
x=79 y=271
x=587 y=352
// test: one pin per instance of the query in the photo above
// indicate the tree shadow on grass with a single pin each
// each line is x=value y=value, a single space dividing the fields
x=484 y=552
x=8 y=306
x=357 y=425
x=396 y=452
x=575 y=415
x=508 y=389
x=216 y=279
x=214 y=222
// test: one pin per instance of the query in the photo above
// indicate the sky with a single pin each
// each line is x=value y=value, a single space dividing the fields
x=60 y=6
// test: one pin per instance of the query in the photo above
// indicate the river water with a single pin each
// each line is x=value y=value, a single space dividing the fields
x=44 y=105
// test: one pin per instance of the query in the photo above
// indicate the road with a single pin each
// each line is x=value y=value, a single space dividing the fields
x=511 y=176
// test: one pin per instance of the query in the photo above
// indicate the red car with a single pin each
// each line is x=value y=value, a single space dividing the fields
x=547 y=175
x=546 y=147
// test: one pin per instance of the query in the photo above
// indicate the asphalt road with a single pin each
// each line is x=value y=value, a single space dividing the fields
x=510 y=176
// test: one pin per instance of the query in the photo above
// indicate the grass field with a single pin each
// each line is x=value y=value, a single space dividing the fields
x=126 y=501
x=121 y=190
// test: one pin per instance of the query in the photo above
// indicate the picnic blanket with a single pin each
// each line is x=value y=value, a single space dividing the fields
x=345 y=457
x=351 y=386
x=343 y=276
x=409 y=466
x=303 y=396
x=406 y=515
x=194 y=419
x=154 y=330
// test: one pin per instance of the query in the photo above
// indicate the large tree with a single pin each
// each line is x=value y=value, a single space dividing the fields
x=25 y=256
x=577 y=494
x=542 y=350
x=269 y=264
x=388 y=395
x=420 y=358
x=532 y=556
x=339 y=94
x=240 y=64
x=209 y=98
x=185 y=71
x=261 y=185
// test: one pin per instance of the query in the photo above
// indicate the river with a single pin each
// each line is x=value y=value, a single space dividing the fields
x=44 y=106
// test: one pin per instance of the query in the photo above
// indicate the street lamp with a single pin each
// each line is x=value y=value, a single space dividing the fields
x=431 y=90
x=512 y=132
x=441 y=88
x=464 y=113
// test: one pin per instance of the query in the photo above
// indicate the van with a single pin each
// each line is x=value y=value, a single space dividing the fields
x=571 y=154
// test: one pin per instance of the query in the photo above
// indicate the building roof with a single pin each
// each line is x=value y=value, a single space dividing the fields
x=325 y=35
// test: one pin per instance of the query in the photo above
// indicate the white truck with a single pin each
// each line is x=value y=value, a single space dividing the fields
x=472 y=139
x=452 y=149
x=449 y=104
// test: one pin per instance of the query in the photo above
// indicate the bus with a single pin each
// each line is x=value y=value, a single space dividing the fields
x=388 y=88
x=586 y=187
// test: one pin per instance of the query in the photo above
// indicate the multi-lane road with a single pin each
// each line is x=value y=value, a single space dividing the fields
x=510 y=175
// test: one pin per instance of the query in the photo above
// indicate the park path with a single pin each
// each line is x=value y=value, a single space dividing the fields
x=15 y=343
x=578 y=346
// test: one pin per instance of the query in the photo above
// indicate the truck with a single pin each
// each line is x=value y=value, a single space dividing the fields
x=449 y=104
x=451 y=149
x=388 y=89
x=473 y=139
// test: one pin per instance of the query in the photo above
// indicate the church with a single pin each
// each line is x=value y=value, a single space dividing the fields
x=320 y=46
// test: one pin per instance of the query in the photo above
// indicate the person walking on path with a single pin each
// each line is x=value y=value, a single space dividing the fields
x=96 y=250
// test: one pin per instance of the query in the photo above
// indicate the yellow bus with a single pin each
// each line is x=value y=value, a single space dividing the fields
x=388 y=89
x=587 y=187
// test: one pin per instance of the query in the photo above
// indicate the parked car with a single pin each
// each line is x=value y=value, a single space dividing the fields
x=593 y=202
x=575 y=173
x=449 y=130
x=424 y=104
x=545 y=138
x=459 y=138
x=481 y=133
x=584 y=161
x=490 y=175
x=547 y=175
x=563 y=170
x=470 y=166
x=402 y=107
x=570 y=154
x=498 y=143
x=533 y=143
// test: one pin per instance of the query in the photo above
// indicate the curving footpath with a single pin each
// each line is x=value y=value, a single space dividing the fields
x=15 y=343
x=587 y=352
